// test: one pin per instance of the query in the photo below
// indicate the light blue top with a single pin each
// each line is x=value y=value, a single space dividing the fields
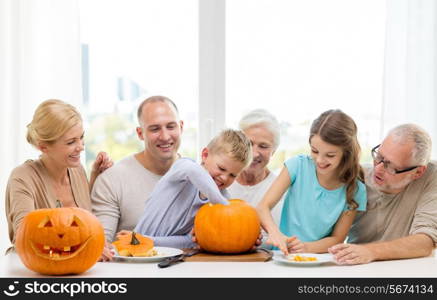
x=170 y=210
x=310 y=211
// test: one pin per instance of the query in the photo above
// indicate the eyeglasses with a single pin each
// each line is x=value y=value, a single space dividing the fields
x=378 y=158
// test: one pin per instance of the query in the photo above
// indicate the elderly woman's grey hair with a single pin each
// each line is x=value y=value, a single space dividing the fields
x=422 y=142
x=261 y=117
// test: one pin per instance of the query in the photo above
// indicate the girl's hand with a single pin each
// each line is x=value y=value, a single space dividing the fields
x=294 y=245
x=102 y=162
x=279 y=240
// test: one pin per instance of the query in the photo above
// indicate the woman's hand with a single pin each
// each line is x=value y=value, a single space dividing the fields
x=193 y=239
x=122 y=233
x=108 y=252
x=258 y=241
x=102 y=162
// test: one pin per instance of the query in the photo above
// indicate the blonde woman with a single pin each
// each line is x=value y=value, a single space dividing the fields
x=57 y=131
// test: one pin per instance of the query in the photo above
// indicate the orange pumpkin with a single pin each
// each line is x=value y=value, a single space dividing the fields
x=232 y=228
x=134 y=244
x=60 y=241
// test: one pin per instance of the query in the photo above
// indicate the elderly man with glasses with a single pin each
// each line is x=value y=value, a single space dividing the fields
x=401 y=217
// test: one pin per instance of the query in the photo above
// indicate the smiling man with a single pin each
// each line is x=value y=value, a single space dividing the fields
x=119 y=197
x=401 y=217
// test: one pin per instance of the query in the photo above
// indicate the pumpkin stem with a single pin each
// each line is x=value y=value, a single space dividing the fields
x=58 y=203
x=134 y=240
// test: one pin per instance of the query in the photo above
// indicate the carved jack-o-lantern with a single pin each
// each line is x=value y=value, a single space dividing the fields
x=60 y=241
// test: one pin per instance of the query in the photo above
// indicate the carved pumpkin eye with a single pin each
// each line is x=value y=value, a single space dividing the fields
x=76 y=222
x=45 y=222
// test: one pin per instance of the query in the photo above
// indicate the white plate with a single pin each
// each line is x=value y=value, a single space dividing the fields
x=321 y=258
x=163 y=253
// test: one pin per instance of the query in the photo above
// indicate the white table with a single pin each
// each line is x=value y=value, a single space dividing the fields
x=11 y=266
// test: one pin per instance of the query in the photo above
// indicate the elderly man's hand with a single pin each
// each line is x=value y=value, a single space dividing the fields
x=351 y=254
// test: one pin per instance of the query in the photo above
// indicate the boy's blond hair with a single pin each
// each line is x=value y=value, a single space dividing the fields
x=233 y=143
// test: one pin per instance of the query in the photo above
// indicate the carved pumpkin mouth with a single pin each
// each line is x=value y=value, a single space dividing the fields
x=54 y=253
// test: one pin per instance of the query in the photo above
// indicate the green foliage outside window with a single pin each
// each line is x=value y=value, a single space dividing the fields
x=113 y=133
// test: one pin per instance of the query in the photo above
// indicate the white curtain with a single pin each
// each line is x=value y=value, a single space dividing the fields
x=39 y=59
x=410 y=75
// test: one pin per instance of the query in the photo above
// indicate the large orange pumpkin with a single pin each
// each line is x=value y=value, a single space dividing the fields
x=60 y=241
x=232 y=228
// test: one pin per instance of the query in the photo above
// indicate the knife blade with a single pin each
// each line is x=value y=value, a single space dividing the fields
x=177 y=258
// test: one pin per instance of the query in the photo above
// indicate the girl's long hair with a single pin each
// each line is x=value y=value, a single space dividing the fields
x=337 y=128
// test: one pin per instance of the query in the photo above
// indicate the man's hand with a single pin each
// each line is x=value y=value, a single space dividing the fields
x=351 y=254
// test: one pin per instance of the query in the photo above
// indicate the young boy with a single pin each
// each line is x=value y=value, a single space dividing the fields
x=170 y=210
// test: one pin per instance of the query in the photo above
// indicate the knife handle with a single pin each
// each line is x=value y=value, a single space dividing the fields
x=169 y=261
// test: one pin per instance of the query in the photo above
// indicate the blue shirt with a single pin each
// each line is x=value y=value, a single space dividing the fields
x=310 y=211
x=169 y=212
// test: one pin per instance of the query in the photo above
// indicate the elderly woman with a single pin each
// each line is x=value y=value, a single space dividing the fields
x=56 y=130
x=263 y=130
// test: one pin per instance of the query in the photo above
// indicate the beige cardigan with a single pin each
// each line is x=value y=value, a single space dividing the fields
x=29 y=189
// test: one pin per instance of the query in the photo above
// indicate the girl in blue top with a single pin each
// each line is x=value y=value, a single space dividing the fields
x=324 y=190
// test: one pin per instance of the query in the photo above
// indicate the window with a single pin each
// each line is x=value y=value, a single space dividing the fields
x=300 y=58
x=133 y=49
x=293 y=58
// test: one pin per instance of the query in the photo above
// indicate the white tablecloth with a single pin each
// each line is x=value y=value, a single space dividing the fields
x=11 y=266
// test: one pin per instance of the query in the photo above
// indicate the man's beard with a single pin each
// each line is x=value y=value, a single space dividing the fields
x=387 y=188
